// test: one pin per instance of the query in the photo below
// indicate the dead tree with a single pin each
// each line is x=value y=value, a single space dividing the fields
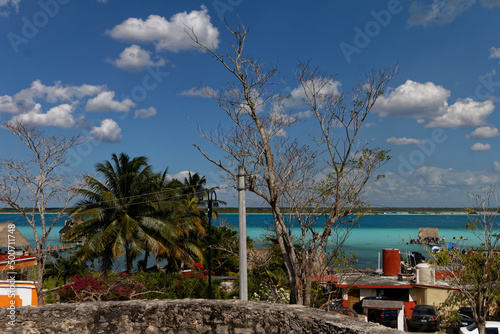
x=284 y=171
x=29 y=186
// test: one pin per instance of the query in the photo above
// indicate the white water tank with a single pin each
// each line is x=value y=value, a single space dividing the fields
x=425 y=274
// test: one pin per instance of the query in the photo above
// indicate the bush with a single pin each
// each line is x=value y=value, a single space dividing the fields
x=153 y=285
x=88 y=288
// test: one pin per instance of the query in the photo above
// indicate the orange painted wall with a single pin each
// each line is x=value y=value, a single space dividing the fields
x=5 y=301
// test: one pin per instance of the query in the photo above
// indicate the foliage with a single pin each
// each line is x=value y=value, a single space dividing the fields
x=476 y=272
x=88 y=288
x=224 y=248
x=63 y=268
x=267 y=278
x=131 y=211
x=142 y=285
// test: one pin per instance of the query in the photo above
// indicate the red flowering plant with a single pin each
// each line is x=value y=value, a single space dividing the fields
x=88 y=288
x=194 y=283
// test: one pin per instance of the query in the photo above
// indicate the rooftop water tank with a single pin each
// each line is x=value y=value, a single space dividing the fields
x=425 y=273
x=391 y=261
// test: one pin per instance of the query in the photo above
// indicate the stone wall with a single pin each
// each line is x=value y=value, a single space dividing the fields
x=186 y=316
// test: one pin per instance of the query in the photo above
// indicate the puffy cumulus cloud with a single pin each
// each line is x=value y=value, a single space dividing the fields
x=463 y=113
x=484 y=132
x=183 y=175
x=429 y=186
x=494 y=53
x=429 y=104
x=135 y=59
x=7 y=5
x=480 y=147
x=328 y=87
x=438 y=12
x=60 y=116
x=442 y=11
x=8 y=105
x=171 y=35
x=109 y=131
x=199 y=92
x=55 y=93
x=145 y=113
x=404 y=141
x=105 y=102
x=412 y=99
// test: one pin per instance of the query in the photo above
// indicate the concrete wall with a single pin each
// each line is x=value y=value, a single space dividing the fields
x=182 y=317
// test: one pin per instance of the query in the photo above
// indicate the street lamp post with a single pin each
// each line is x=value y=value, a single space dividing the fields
x=211 y=204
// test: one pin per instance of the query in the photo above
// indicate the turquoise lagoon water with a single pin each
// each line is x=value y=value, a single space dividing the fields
x=373 y=233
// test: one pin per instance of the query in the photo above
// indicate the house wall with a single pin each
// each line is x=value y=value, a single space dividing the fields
x=22 y=293
x=429 y=295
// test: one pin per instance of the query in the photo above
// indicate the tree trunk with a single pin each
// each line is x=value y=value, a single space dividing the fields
x=307 y=279
x=40 y=260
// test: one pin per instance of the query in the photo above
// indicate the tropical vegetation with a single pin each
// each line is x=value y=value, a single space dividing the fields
x=133 y=211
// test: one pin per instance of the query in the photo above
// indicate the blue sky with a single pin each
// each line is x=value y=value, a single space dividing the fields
x=125 y=75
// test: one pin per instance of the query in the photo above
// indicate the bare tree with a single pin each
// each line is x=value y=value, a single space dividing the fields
x=476 y=272
x=286 y=172
x=29 y=186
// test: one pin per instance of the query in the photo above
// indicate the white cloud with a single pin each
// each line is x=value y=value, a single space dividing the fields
x=55 y=93
x=7 y=5
x=328 y=87
x=496 y=166
x=171 y=35
x=8 y=105
x=60 y=116
x=439 y=12
x=105 y=102
x=412 y=99
x=494 y=53
x=428 y=103
x=484 y=132
x=463 y=113
x=135 y=59
x=109 y=131
x=480 y=147
x=145 y=113
x=304 y=114
x=404 y=141
x=198 y=92
x=442 y=11
x=182 y=175
x=429 y=185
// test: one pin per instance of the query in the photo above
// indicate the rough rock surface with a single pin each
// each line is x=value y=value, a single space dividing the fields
x=185 y=316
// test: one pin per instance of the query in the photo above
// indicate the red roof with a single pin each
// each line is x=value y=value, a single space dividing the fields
x=325 y=278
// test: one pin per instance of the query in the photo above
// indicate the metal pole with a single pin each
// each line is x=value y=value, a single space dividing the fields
x=209 y=245
x=243 y=234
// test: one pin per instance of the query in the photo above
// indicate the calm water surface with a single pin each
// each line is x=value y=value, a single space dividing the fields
x=373 y=233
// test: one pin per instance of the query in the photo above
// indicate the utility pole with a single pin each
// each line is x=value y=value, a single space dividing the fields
x=242 y=212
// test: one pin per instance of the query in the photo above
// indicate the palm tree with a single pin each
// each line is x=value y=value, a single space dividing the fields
x=127 y=213
x=194 y=185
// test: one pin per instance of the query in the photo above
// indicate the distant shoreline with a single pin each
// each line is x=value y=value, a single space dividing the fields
x=230 y=211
